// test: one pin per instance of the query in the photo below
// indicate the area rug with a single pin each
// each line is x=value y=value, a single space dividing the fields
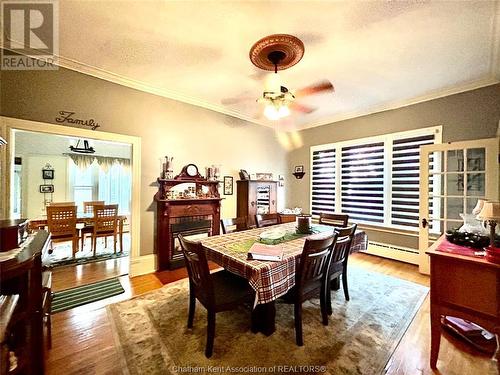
x=63 y=256
x=361 y=336
x=69 y=298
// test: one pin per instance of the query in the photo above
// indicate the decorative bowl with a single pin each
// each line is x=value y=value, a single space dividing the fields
x=272 y=235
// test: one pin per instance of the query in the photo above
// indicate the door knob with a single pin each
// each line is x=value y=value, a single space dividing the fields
x=424 y=222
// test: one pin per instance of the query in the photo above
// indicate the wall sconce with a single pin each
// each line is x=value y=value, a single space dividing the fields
x=298 y=172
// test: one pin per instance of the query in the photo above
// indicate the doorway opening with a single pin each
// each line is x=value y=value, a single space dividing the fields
x=47 y=175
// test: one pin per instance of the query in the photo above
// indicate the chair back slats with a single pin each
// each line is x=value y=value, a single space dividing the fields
x=200 y=281
x=105 y=218
x=343 y=245
x=61 y=220
x=337 y=220
x=233 y=225
x=265 y=220
x=88 y=207
x=314 y=261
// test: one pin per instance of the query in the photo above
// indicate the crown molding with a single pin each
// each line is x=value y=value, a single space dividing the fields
x=491 y=79
x=407 y=102
x=138 y=85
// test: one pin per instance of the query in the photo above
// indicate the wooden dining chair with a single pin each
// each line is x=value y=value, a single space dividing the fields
x=219 y=291
x=88 y=207
x=337 y=220
x=233 y=225
x=266 y=220
x=61 y=221
x=338 y=263
x=311 y=279
x=105 y=224
x=88 y=228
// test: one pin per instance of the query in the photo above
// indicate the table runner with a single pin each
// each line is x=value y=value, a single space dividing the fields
x=270 y=280
x=447 y=247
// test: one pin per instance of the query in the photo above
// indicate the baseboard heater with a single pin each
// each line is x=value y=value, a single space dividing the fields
x=404 y=254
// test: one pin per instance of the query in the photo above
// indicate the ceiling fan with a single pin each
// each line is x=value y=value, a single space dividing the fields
x=279 y=52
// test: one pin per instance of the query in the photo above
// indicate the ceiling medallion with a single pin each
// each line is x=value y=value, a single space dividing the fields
x=289 y=47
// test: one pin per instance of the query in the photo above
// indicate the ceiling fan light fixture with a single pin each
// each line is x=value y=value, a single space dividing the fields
x=274 y=111
x=284 y=111
x=273 y=83
x=271 y=112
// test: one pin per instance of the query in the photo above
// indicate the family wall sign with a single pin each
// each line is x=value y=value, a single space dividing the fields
x=68 y=117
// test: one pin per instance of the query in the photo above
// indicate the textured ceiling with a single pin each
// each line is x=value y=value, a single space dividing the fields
x=378 y=55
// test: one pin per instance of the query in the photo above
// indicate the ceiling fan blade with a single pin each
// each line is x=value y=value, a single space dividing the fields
x=301 y=108
x=259 y=75
x=236 y=100
x=322 y=86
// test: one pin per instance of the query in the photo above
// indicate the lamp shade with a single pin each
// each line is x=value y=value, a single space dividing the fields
x=479 y=206
x=490 y=211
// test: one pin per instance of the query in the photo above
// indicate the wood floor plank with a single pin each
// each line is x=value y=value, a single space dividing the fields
x=83 y=342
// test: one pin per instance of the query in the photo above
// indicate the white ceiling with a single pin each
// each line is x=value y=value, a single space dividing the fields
x=378 y=55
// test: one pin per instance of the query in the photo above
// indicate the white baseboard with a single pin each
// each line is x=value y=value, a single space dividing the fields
x=142 y=265
x=384 y=252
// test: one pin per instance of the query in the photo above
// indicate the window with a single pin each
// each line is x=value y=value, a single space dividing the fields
x=323 y=181
x=92 y=182
x=362 y=182
x=374 y=180
x=406 y=179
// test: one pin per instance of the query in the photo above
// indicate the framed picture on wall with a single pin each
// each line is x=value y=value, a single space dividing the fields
x=228 y=185
x=48 y=174
x=46 y=189
x=298 y=169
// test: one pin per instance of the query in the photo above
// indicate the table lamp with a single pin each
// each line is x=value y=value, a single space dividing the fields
x=490 y=213
x=479 y=206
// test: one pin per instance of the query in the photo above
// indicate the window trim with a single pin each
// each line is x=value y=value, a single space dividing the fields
x=387 y=139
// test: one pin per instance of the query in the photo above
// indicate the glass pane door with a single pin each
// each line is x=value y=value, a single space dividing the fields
x=263 y=199
x=453 y=178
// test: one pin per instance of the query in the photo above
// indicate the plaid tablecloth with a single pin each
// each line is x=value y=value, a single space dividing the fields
x=270 y=280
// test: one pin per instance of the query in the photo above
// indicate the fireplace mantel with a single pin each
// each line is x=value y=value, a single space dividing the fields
x=189 y=216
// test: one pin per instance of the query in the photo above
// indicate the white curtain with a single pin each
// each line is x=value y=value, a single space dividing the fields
x=104 y=162
x=101 y=178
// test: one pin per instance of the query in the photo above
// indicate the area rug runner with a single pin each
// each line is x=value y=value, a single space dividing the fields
x=83 y=260
x=69 y=298
x=361 y=336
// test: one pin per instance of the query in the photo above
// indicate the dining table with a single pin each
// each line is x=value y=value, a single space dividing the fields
x=269 y=279
x=86 y=218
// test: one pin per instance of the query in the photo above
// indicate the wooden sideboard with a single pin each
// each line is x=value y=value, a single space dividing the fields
x=466 y=287
x=22 y=275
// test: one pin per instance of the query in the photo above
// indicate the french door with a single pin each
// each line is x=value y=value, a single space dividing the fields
x=453 y=176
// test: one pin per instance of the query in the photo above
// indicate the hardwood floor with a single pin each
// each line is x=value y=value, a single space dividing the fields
x=83 y=340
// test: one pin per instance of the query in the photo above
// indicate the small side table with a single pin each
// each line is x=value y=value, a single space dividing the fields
x=463 y=286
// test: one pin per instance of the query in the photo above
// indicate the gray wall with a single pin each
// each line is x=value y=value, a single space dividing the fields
x=166 y=127
x=470 y=115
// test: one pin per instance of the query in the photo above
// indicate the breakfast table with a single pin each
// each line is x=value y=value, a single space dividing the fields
x=269 y=279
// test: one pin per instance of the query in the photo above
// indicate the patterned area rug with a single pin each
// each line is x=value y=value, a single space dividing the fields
x=361 y=336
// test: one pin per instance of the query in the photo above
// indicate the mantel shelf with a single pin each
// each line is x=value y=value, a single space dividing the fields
x=188 y=200
x=187 y=181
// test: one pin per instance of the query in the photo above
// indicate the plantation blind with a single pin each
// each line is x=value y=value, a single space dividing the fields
x=406 y=179
x=323 y=181
x=362 y=182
